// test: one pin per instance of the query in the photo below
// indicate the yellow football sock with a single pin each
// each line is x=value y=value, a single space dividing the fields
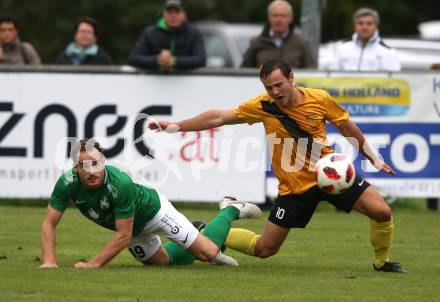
x=242 y=240
x=381 y=236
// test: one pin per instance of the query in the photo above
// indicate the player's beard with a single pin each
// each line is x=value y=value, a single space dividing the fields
x=94 y=181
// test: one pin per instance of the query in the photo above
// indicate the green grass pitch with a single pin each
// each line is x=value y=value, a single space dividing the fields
x=331 y=260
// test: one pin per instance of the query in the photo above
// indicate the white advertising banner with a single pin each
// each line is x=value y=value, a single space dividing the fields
x=39 y=110
x=399 y=114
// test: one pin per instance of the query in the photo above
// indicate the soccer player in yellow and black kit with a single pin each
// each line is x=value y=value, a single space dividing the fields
x=291 y=116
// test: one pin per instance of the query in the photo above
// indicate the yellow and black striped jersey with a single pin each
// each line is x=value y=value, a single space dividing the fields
x=295 y=133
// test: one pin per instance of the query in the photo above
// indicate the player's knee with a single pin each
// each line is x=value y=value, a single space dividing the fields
x=158 y=259
x=383 y=214
x=203 y=249
x=208 y=254
x=266 y=251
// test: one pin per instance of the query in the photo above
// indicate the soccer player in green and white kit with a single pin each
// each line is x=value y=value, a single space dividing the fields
x=138 y=214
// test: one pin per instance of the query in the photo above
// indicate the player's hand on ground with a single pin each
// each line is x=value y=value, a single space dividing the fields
x=168 y=127
x=48 y=265
x=85 y=264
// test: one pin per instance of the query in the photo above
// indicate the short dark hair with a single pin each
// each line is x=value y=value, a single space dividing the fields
x=84 y=145
x=274 y=64
x=9 y=19
x=92 y=22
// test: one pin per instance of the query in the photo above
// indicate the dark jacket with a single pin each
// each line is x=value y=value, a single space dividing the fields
x=185 y=44
x=295 y=50
x=101 y=58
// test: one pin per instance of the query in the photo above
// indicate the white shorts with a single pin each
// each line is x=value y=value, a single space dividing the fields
x=168 y=222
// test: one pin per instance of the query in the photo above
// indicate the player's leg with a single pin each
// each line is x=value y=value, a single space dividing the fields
x=363 y=198
x=372 y=204
x=271 y=240
x=242 y=240
x=176 y=227
x=205 y=247
x=146 y=248
x=293 y=211
x=252 y=244
x=177 y=254
x=230 y=209
x=218 y=228
x=238 y=239
x=161 y=257
x=202 y=249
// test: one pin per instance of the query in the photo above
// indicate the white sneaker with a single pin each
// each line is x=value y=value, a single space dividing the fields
x=247 y=209
x=222 y=259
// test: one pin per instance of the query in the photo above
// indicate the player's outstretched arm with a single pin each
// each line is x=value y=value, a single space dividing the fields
x=48 y=237
x=351 y=131
x=120 y=241
x=206 y=120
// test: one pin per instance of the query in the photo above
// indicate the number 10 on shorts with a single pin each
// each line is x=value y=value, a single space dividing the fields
x=280 y=213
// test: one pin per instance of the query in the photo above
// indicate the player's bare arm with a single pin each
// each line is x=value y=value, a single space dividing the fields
x=120 y=241
x=48 y=237
x=350 y=130
x=206 y=120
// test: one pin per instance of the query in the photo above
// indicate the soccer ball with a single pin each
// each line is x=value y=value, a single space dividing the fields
x=334 y=173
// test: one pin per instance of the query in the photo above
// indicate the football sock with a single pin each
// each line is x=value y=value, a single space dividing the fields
x=242 y=240
x=216 y=230
x=381 y=236
x=177 y=254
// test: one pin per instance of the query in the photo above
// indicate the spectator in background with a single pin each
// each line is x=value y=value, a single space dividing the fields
x=84 y=50
x=278 y=40
x=12 y=50
x=170 y=44
x=365 y=50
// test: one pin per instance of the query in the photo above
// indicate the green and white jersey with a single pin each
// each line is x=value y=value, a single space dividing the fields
x=117 y=198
